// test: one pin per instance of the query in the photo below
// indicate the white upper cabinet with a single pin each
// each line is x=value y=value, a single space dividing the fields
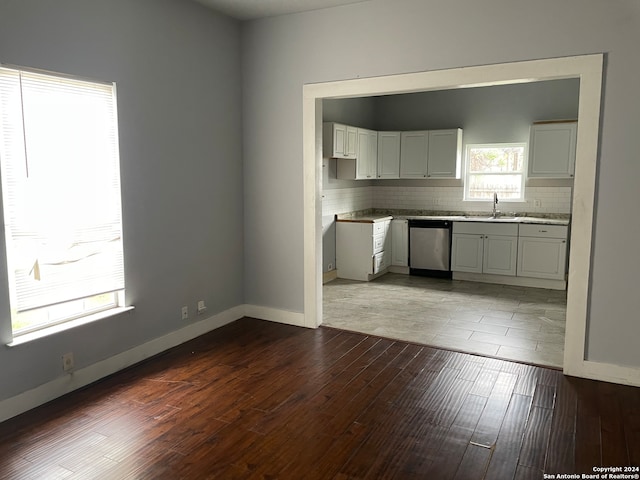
x=365 y=164
x=552 y=149
x=367 y=156
x=414 y=148
x=388 y=154
x=340 y=141
x=445 y=153
x=431 y=154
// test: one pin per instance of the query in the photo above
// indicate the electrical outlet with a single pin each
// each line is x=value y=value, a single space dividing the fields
x=185 y=313
x=537 y=203
x=330 y=267
x=201 y=307
x=67 y=362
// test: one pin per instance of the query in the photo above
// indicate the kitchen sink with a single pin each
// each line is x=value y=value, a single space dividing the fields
x=491 y=218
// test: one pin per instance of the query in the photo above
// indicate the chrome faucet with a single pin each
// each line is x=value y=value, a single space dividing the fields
x=495 y=203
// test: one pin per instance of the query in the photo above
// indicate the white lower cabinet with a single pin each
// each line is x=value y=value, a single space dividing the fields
x=400 y=243
x=484 y=248
x=542 y=251
x=363 y=249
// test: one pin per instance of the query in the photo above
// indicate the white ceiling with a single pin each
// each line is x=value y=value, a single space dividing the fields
x=252 y=9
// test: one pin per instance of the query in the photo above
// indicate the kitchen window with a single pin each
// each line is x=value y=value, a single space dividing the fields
x=498 y=168
x=60 y=173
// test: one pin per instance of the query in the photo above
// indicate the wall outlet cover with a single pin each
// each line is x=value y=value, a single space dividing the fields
x=67 y=362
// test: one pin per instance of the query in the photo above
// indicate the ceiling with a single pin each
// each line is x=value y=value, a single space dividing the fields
x=252 y=9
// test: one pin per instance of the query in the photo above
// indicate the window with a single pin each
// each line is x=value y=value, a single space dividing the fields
x=495 y=168
x=61 y=197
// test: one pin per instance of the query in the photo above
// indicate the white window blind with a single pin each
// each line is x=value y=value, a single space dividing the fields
x=61 y=188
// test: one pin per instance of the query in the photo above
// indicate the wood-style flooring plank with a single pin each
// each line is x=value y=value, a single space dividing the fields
x=504 y=461
x=259 y=400
x=562 y=439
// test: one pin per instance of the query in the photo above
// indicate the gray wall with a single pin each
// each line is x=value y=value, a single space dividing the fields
x=383 y=37
x=177 y=68
x=487 y=115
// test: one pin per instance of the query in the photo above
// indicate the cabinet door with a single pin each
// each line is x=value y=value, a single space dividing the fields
x=400 y=243
x=366 y=161
x=445 y=153
x=413 y=154
x=388 y=154
x=351 y=142
x=466 y=252
x=552 y=150
x=339 y=140
x=372 y=154
x=542 y=257
x=500 y=255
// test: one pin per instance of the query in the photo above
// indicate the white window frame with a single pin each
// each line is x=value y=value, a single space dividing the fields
x=65 y=307
x=522 y=172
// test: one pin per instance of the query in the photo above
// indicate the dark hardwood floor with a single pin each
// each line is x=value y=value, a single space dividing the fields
x=262 y=400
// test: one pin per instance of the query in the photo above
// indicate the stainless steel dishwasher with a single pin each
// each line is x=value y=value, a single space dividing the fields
x=430 y=248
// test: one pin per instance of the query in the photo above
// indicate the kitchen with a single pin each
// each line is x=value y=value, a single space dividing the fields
x=484 y=116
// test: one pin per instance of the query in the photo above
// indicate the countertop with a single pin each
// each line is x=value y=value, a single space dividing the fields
x=372 y=218
x=365 y=218
x=474 y=218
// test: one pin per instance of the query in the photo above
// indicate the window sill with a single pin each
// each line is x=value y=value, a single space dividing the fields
x=61 y=327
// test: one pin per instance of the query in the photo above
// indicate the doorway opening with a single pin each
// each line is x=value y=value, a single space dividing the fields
x=588 y=69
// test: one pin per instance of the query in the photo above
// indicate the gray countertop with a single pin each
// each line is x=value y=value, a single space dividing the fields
x=478 y=218
x=372 y=218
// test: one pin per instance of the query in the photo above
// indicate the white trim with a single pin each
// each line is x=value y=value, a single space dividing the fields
x=588 y=68
x=67 y=325
x=329 y=276
x=606 y=372
x=275 y=315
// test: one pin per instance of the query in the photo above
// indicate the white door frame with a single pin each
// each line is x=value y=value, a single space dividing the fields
x=588 y=68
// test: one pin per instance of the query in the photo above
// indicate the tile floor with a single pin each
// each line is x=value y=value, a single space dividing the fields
x=514 y=323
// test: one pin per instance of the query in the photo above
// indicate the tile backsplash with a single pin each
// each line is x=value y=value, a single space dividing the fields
x=342 y=200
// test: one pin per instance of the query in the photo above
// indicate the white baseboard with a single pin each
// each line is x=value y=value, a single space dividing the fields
x=275 y=315
x=606 y=372
x=329 y=276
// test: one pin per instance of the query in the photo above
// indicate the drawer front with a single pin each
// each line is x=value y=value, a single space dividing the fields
x=544 y=231
x=380 y=262
x=485 y=228
x=378 y=243
x=379 y=227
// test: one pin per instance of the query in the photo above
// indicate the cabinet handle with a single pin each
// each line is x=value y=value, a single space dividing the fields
x=542 y=231
x=564 y=241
